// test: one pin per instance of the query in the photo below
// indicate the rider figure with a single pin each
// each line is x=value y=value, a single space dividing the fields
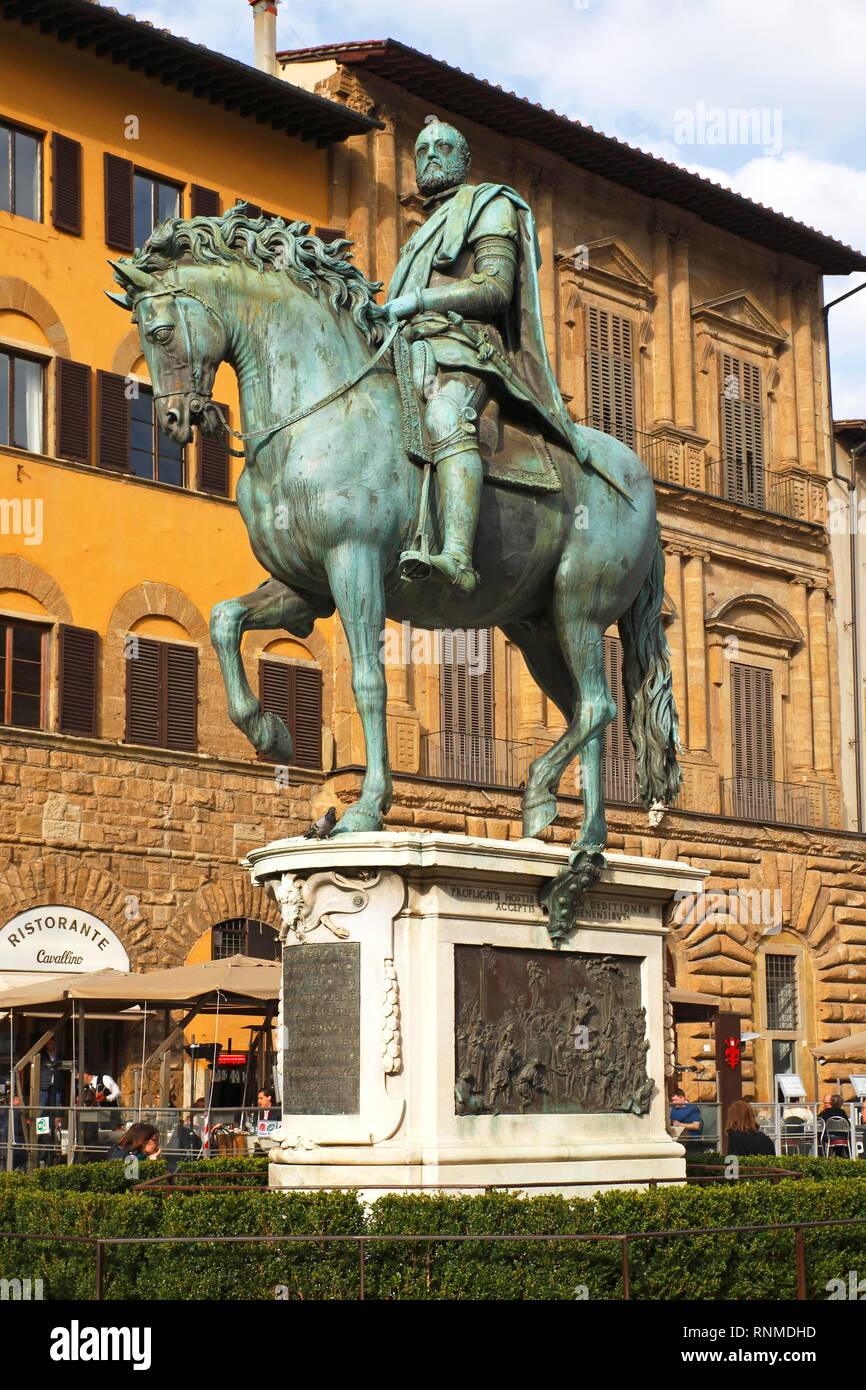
x=467 y=287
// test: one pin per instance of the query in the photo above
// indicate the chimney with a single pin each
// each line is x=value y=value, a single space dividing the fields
x=265 y=33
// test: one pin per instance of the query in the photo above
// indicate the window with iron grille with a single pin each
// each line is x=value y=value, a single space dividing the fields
x=20 y=173
x=610 y=374
x=783 y=1011
x=244 y=936
x=742 y=432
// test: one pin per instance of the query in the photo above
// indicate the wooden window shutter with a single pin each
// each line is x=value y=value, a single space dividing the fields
x=162 y=695
x=252 y=210
x=295 y=694
x=329 y=234
x=213 y=460
x=66 y=184
x=617 y=743
x=479 y=684
x=752 y=722
x=143 y=692
x=620 y=769
x=204 y=202
x=118 y=203
x=113 y=428
x=466 y=695
x=78 y=649
x=275 y=682
x=181 y=697
x=307 y=733
x=610 y=374
x=72 y=410
x=742 y=431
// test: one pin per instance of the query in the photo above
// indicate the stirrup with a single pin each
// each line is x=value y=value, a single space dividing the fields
x=415 y=564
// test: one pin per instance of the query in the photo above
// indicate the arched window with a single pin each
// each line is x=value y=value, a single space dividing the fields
x=244 y=936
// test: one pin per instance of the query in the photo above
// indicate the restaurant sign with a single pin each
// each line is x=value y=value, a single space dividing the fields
x=55 y=939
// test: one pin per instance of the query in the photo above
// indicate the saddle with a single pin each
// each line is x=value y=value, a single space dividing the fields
x=513 y=452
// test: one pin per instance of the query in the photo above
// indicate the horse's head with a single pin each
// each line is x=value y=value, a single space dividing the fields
x=182 y=338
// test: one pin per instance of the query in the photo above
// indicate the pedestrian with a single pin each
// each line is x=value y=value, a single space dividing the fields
x=19 y=1152
x=140 y=1141
x=743 y=1135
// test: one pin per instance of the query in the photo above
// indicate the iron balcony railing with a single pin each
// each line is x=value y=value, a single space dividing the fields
x=448 y=756
x=789 y=803
x=751 y=485
x=496 y=762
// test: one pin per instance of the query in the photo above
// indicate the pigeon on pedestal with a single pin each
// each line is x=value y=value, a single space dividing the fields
x=321 y=828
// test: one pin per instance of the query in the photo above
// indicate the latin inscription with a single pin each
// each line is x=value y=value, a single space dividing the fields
x=322 y=1022
x=513 y=900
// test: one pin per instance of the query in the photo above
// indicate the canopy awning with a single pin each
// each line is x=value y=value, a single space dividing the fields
x=852 y=1048
x=236 y=978
x=691 y=1007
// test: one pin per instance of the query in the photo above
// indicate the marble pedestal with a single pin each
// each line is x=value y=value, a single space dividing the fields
x=431 y=1035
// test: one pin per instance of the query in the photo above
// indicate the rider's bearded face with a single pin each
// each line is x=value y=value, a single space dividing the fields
x=441 y=158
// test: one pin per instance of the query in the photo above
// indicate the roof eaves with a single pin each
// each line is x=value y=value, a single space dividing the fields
x=602 y=154
x=188 y=66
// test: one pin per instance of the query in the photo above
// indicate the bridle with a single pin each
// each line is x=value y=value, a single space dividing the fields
x=200 y=400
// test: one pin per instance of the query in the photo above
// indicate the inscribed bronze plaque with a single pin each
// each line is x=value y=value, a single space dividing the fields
x=548 y=1032
x=321 y=1016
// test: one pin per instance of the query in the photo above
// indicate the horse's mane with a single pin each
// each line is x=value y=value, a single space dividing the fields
x=269 y=243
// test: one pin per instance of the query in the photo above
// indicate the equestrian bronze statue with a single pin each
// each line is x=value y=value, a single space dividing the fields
x=415 y=461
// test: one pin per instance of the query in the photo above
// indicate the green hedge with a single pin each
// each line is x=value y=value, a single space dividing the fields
x=107 y=1176
x=804 y=1165
x=740 y=1266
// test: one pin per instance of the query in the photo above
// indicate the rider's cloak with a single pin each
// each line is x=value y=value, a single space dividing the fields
x=436 y=246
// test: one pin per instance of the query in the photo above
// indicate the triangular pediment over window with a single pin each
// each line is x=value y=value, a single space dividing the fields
x=608 y=261
x=741 y=318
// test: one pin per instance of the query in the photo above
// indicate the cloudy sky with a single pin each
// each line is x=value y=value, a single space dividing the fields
x=656 y=73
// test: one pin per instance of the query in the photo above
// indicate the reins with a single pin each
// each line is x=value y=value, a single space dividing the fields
x=204 y=401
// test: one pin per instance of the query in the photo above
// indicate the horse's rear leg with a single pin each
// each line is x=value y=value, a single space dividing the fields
x=272 y=605
x=582 y=645
x=357 y=584
x=539 y=645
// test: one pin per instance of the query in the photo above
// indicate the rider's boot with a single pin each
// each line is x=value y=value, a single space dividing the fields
x=460 y=478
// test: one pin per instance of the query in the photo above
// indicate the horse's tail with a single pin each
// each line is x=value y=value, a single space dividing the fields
x=650 y=709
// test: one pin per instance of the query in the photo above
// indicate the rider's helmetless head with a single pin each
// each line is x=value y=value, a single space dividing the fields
x=441 y=157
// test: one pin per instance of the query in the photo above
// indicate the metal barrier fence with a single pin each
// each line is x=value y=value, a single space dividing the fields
x=40 y=1136
x=625 y=1240
x=795 y=1128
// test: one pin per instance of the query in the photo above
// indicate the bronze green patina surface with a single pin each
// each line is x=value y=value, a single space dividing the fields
x=331 y=501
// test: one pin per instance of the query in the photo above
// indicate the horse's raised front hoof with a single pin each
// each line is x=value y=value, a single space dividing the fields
x=358 y=817
x=538 y=815
x=270 y=737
